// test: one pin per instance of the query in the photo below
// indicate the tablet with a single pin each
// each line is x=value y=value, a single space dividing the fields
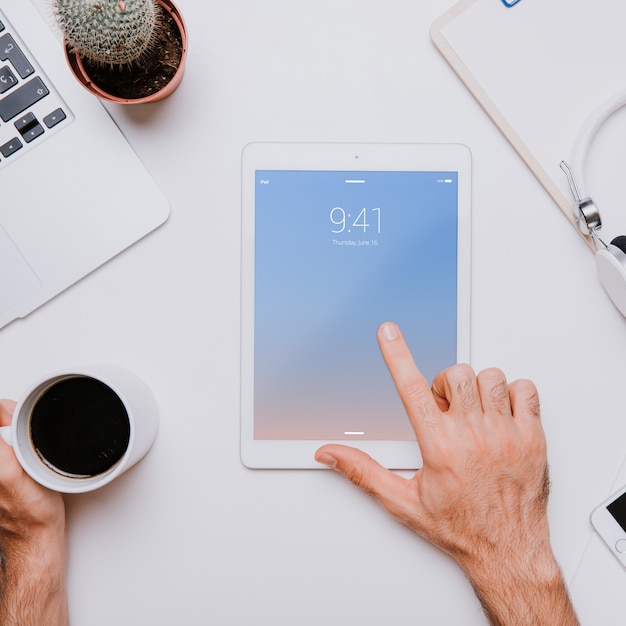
x=336 y=239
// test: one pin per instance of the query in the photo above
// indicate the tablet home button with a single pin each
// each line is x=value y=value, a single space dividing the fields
x=620 y=546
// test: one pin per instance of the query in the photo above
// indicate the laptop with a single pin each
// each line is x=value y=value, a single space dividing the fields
x=73 y=194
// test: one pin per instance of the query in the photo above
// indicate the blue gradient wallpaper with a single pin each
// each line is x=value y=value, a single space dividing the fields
x=337 y=254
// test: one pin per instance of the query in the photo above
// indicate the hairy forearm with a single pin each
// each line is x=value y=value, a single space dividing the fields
x=525 y=593
x=32 y=583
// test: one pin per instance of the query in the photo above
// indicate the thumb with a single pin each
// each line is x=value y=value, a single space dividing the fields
x=6 y=416
x=387 y=488
x=6 y=412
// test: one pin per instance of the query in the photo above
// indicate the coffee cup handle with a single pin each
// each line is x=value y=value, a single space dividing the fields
x=5 y=433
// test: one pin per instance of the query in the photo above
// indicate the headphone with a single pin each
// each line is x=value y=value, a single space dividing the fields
x=610 y=258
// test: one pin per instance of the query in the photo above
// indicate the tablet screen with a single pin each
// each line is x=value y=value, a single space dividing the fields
x=337 y=253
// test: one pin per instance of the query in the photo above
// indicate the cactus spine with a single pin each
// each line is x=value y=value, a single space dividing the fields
x=108 y=32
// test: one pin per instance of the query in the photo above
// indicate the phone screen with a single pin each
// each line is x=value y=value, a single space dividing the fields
x=337 y=254
x=617 y=509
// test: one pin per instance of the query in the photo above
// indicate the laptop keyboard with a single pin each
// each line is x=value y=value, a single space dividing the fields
x=30 y=107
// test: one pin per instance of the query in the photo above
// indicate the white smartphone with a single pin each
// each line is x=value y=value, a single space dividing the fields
x=609 y=520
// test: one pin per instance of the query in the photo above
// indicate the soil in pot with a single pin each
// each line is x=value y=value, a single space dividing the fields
x=152 y=73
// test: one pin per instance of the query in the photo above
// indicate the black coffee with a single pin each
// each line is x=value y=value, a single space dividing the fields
x=79 y=427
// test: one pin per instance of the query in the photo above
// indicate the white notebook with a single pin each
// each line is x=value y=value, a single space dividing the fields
x=539 y=68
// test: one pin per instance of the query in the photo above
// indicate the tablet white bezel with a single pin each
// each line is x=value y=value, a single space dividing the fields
x=342 y=157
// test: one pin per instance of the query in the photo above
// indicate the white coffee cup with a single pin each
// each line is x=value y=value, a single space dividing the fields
x=76 y=430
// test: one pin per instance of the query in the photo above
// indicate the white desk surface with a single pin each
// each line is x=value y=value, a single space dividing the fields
x=190 y=536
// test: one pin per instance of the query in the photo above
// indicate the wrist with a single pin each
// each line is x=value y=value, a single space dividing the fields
x=533 y=565
x=511 y=577
x=521 y=587
x=35 y=542
x=33 y=588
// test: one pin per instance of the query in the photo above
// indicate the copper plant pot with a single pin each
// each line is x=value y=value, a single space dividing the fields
x=76 y=65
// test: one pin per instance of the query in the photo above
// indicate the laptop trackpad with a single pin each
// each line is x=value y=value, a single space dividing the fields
x=17 y=279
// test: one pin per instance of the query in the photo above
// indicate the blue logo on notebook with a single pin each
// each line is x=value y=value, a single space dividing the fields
x=509 y=3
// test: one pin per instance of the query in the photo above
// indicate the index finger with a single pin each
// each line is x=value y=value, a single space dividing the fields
x=412 y=387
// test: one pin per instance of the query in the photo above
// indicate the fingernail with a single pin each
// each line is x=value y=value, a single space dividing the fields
x=390 y=331
x=327 y=459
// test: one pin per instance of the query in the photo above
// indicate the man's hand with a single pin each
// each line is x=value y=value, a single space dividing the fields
x=481 y=495
x=32 y=544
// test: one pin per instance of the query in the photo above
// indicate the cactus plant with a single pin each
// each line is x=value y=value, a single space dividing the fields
x=124 y=51
x=108 y=32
